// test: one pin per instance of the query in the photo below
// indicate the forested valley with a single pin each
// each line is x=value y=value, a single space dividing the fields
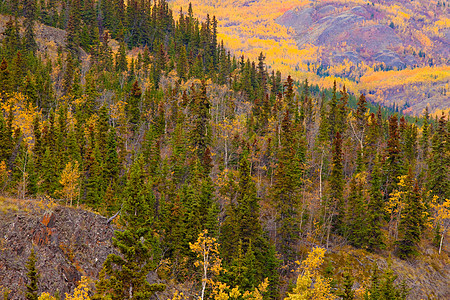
x=223 y=178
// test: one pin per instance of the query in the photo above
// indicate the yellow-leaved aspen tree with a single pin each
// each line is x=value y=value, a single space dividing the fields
x=81 y=292
x=46 y=296
x=441 y=218
x=207 y=250
x=310 y=284
x=70 y=178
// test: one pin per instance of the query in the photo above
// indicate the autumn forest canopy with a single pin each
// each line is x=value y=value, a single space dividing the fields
x=223 y=177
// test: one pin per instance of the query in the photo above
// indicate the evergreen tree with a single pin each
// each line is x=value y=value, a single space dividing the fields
x=124 y=275
x=11 y=39
x=384 y=288
x=424 y=141
x=112 y=166
x=439 y=162
x=133 y=106
x=200 y=136
x=393 y=161
x=333 y=113
x=285 y=192
x=73 y=29
x=247 y=205
x=68 y=74
x=33 y=277
x=355 y=221
x=182 y=65
x=29 y=12
x=360 y=132
x=174 y=231
x=336 y=186
x=121 y=58
x=4 y=78
x=347 y=292
x=6 y=139
x=375 y=211
x=412 y=221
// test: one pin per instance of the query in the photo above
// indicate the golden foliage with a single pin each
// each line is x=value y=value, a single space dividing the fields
x=81 y=292
x=441 y=217
x=24 y=114
x=70 y=177
x=310 y=284
x=46 y=296
x=4 y=173
x=249 y=28
x=207 y=250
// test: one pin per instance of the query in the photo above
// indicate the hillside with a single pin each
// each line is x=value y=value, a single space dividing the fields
x=73 y=242
x=231 y=178
x=353 y=42
x=395 y=36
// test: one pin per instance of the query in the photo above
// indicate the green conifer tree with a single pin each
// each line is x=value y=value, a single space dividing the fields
x=124 y=275
x=375 y=211
x=347 y=292
x=133 y=105
x=285 y=192
x=29 y=12
x=393 y=162
x=336 y=186
x=121 y=58
x=33 y=277
x=182 y=65
x=439 y=162
x=200 y=136
x=412 y=221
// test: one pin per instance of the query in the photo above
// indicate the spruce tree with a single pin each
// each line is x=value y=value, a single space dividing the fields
x=360 y=132
x=247 y=204
x=393 y=162
x=200 y=136
x=29 y=12
x=112 y=166
x=375 y=211
x=412 y=221
x=424 y=141
x=182 y=65
x=133 y=105
x=347 y=292
x=439 y=162
x=336 y=186
x=33 y=277
x=6 y=139
x=333 y=113
x=285 y=192
x=4 y=78
x=173 y=229
x=244 y=244
x=355 y=227
x=73 y=29
x=121 y=59
x=124 y=275
x=383 y=287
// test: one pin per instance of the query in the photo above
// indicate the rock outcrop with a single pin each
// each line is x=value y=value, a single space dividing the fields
x=69 y=243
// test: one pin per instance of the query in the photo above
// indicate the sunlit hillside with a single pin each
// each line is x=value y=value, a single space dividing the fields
x=413 y=65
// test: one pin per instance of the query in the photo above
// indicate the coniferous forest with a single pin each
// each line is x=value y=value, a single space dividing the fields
x=215 y=170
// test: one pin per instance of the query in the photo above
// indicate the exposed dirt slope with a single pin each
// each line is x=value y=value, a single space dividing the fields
x=69 y=243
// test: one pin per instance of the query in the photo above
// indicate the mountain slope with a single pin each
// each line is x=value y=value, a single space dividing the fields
x=71 y=243
x=353 y=42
